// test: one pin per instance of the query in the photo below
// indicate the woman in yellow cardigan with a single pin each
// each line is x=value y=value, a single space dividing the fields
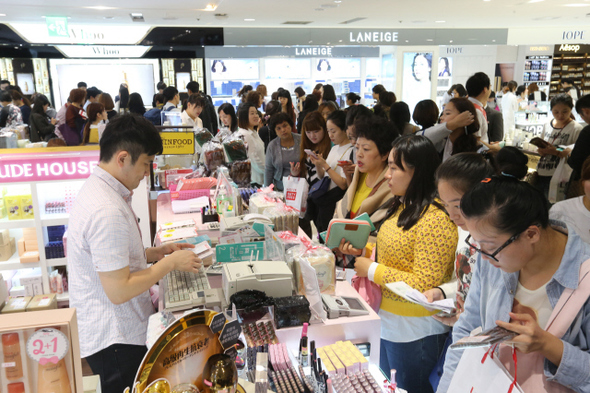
x=415 y=244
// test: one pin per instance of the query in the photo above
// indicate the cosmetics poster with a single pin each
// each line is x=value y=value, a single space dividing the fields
x=26 y=83
x=417 y=70
x=182 y=79
x=238 y=69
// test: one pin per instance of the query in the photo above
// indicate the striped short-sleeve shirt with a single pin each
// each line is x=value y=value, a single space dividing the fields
x=103 y=235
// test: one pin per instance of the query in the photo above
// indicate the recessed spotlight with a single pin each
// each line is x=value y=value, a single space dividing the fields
x=493 y=40
x=439 y=21
x=109 y=17
x=407 y=40
x=451 y=41
x=310 y=42
x=429 y=39
x=535 y=1
x=100 y=7
x=337 y=1
x=249 y=20
x=210 y=7
x=576 y=5
x=2 y=14
x=339 y=40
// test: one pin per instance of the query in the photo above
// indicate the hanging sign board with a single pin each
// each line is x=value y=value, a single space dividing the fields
x=176 y=143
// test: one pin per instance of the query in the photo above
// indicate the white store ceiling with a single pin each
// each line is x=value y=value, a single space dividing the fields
x=321 y=13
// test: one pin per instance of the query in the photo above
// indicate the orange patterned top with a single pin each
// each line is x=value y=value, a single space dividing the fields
x=422 y=257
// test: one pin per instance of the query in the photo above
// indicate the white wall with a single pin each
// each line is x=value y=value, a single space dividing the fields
x=467 y=60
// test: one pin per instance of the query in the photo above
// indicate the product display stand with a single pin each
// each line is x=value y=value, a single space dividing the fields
x=53 y=174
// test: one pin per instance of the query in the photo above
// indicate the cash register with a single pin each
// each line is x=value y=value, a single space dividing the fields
x=272 y=277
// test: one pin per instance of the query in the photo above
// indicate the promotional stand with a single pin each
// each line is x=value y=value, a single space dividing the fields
x=38 y=189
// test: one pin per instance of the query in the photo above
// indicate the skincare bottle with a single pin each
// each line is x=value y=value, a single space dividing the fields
x=12 y=356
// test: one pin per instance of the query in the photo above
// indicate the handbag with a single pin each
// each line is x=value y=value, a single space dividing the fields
x=559 y=181
x=321 y=187
x=367 y=289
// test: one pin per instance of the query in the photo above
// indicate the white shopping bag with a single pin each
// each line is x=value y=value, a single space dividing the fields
x=479 y=372
x=296 y=189
x=559 y=181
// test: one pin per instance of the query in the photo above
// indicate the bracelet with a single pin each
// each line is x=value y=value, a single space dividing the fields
x=443 y=292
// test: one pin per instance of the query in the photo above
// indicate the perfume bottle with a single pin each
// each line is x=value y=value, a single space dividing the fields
x=220 y=374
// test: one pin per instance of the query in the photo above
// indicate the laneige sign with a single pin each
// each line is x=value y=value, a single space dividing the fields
x=373 y=36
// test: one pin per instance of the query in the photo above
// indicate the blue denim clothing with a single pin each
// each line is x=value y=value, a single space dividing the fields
x=413 y=361
x=488 y=300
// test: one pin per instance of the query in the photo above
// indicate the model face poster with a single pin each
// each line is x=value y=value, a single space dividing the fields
x=417 y=77
x=238 y=69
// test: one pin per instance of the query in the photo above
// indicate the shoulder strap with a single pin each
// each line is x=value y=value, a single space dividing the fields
x=570 y=303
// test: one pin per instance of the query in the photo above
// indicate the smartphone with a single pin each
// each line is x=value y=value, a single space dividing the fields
x=344 y=162
x=311 y=153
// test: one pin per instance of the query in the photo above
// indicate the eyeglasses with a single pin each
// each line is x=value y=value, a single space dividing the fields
x=492 y=255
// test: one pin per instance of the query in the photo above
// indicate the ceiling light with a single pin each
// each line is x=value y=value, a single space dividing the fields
x=429 y=39
x=577 y=5
x=535 y=1
x=2 y=14
x=337 y=1
x=451 y=41
x=249 y=20
x=109 y=17
x=210 y=7
x=100 y=7
x=136 y=17
x=319 y=9
x=439 y=21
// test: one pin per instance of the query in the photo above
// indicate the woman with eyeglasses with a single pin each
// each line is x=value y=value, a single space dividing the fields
x=415 y=244
x=526 y=263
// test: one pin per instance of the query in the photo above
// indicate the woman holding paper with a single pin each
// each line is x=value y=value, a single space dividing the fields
x=415 y=244
x=526 y=270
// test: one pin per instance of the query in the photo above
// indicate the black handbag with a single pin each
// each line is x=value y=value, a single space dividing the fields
x=319 y=188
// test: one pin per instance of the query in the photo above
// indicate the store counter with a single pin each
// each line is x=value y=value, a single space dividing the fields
x=359 y=329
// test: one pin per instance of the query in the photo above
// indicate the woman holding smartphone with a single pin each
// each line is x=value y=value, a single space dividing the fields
x=340 y=154
x=315 y=142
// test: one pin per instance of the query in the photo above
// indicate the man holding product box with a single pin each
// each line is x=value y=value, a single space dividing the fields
x=108 y=274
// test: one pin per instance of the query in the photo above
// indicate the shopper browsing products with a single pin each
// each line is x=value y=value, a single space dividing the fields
x=525 y=265
x=416 y=244
x=107 y=263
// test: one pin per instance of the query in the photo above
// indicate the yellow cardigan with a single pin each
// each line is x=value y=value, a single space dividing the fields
x=422 y=257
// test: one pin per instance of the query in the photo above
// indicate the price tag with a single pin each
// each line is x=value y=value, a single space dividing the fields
x=232 y=352
x=230 y=334
x=47 y=346
x=217 y=323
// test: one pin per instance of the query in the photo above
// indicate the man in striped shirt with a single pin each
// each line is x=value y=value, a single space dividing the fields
x=107 y=264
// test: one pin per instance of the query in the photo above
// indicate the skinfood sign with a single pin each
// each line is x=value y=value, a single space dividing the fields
x=16 y=168
x=178 y=142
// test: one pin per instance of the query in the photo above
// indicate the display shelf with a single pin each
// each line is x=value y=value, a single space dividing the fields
x=54 y=219
x=14 y=263
x=5 y=223
x=63 y=297
x=57 y=262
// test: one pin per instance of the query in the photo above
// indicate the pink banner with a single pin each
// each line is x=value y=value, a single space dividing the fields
x=19 y=168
